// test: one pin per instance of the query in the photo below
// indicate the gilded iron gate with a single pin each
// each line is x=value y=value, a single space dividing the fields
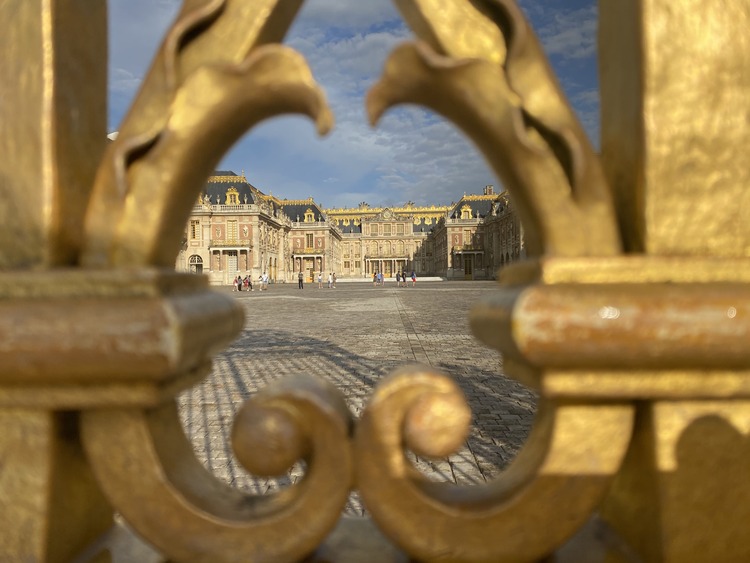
x=630 y=317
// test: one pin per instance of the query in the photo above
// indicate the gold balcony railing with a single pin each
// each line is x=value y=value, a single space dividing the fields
x=220 y=243
x=631 y=317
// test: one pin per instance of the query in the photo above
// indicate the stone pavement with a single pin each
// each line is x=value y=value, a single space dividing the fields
x=353 y=336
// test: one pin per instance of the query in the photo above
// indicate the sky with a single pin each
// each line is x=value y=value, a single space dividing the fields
x=412 y=155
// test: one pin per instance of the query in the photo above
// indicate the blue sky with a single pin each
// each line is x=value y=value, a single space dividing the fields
x=413 y=154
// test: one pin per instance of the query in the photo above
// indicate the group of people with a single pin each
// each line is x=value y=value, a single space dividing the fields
x=331 y=280
x=401 y=279
x=247 y=283
x=240 y=282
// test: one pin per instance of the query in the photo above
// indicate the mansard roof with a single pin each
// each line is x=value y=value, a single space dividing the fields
x=479 y=205
x=425 y=224
x=295 y=209
x=224 y=180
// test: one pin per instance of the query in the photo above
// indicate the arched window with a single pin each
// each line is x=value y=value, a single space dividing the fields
x=195 y=263
x=309 y=216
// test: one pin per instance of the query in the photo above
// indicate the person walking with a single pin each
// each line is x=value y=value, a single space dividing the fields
x=334 y=280
x=398 y=279
x=300 y=280
x=413 y=278
x=330 y=279
x=320 y=280
x=374 y=279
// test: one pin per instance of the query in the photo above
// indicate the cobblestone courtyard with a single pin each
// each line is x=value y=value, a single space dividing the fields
x=353 y=336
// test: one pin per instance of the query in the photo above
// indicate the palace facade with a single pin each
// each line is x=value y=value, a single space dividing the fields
x=235 y=229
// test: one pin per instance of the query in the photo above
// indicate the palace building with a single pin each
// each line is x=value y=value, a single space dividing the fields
x=235 y=229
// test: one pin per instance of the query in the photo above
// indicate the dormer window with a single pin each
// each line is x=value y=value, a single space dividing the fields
x=309 y=216
x=233 y=196
x=466 y=212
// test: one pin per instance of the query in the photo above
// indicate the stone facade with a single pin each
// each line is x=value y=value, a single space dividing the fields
x=237 y=230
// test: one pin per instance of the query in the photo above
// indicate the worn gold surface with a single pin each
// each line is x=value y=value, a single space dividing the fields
x=675 y=79
x=138 y=328
x=147 y=467
x=52 y=126
x=682 y=494
x=563 y=466
x=50 y=506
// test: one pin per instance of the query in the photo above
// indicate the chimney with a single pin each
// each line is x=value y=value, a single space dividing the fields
x=489 y=190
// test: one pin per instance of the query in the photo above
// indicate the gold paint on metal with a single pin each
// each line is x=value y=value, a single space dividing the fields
x=674 y=84
x=562 y=465
x=146 y=466
x=52 y=126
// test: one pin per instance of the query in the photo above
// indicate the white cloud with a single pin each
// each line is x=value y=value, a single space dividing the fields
x=123 y=81
x=411 y=155
x=570 y=34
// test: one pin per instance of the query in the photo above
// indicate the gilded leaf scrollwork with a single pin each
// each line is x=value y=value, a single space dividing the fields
x=218 y=73
x=479 y=64
x=149 y=471
x=511 y=519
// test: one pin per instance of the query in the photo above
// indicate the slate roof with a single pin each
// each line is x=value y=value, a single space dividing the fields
x=295 y=209
x=424 y=225
x=351 y=228
x=480 y=205
x=221 y=181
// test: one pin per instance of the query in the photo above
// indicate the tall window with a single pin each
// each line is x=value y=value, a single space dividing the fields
x=232 y=230
x=374 y=230
x=195 y=227
x=309 y=240
x=400 y=229
x=387 y=230
x=467 y=238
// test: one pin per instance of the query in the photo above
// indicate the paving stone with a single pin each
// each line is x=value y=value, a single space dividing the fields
x=354 y=337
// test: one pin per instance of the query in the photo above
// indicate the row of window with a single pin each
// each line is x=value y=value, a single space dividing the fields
x=386 y=229
x=232 y=230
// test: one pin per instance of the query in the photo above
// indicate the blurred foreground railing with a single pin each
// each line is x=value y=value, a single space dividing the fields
x=630 y=318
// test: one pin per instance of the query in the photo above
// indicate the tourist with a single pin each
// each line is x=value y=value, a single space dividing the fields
x=398 y=279
x=320 y=280
x=413 y=278
x=264 y=277
x=374 y=279
x=300 y=279
x=334 y=280
x=330 y=280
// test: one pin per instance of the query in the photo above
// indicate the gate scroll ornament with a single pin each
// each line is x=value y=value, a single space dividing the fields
x=621 y=318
